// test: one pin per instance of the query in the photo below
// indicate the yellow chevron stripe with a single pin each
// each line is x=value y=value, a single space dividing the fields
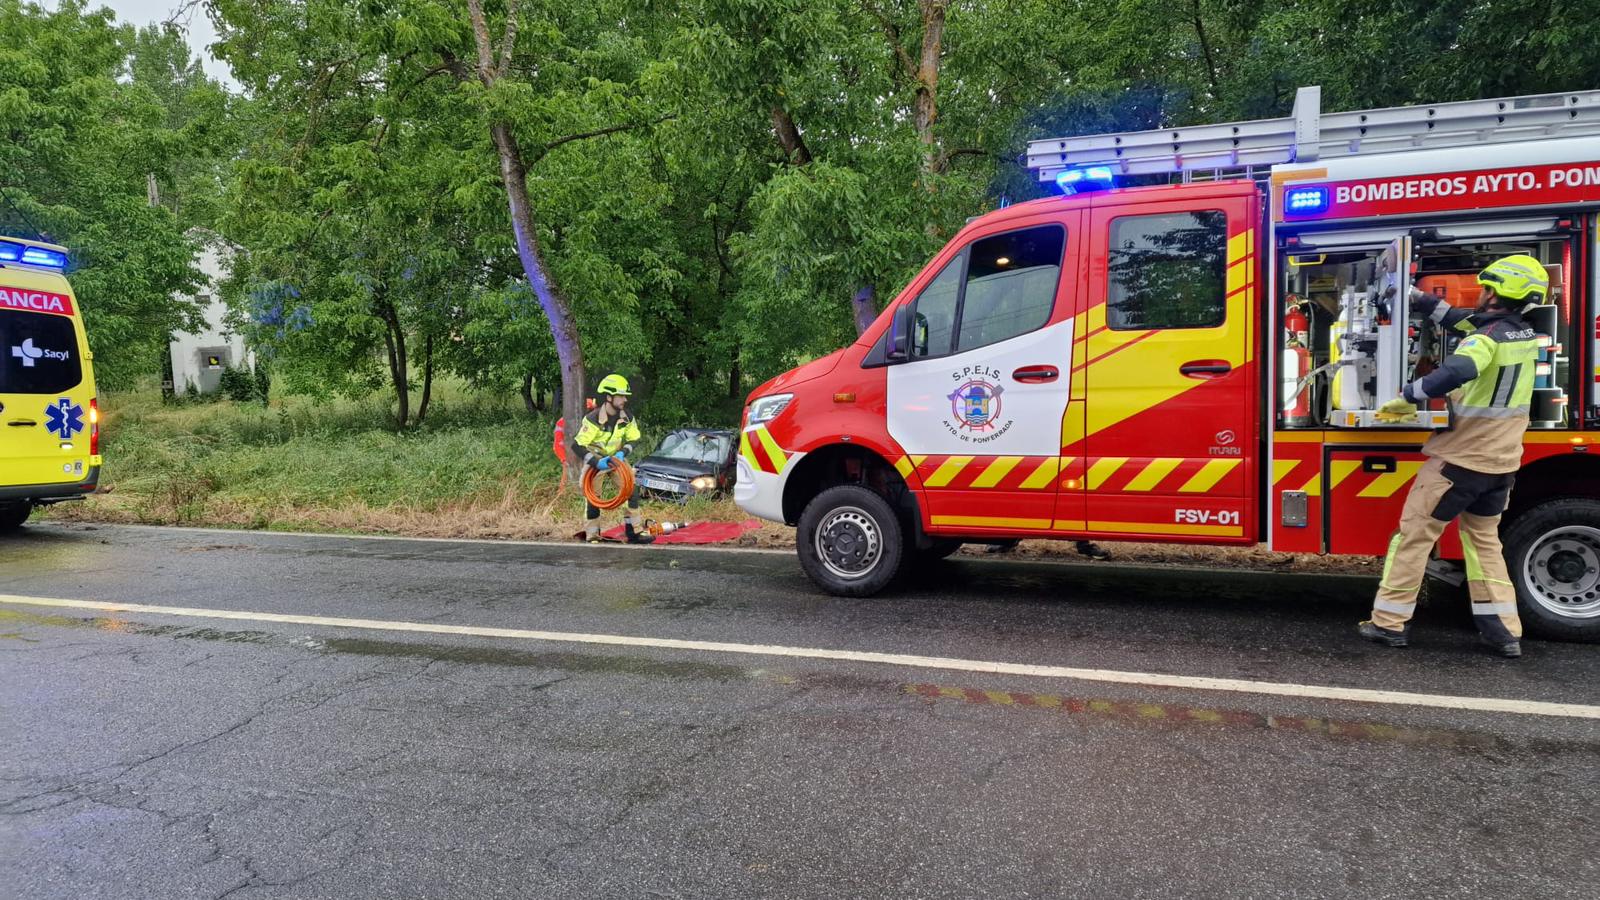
x=997 y=470
x=1209 y=474
x=1153 y=473
x=1340 y=471
x=947 y=471
x=991 y=522
x=1045 y=475
x=774 y=452
x=1238 y=275
x=1282 y=467
x=917 y=460
x=1238 y=246
x=748 y=452
x=1386 y=484
x=904 y=467
x=1102 y=469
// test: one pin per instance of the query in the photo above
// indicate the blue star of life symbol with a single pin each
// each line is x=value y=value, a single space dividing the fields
x=63 y=418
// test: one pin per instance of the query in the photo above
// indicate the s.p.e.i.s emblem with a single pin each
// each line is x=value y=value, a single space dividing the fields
x=975 y=405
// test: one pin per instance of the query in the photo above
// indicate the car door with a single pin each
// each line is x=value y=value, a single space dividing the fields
x=978 y=406
x=1172 y=389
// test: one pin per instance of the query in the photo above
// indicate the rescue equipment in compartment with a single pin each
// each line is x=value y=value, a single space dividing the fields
x=1295 y=385
x=621 y=471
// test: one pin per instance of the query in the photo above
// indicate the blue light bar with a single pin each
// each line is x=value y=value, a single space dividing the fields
x=39 y=256
x=1305 y=201
x=1068 y=179
x=32 y=256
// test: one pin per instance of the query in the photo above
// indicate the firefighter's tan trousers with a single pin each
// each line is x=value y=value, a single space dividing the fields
x=1439 y=494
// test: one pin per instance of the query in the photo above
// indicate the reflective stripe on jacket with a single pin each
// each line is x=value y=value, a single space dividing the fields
x=619 y=433
x=1489 y=380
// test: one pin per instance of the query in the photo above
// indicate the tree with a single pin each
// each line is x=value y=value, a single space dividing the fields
x=83 y=133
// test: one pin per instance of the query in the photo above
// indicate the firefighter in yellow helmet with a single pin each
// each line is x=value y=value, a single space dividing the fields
x=608 y=433
x=1489 y=379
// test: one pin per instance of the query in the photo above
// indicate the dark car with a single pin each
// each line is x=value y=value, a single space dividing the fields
x=690 y=462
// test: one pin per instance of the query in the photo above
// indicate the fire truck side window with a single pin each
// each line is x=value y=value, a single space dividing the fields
x=1167 y=271
x=935 y=313
x=1011 y=285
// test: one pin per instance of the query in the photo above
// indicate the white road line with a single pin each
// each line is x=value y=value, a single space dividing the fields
x=1148 y=679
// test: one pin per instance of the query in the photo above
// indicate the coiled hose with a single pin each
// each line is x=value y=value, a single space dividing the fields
x=591 y=483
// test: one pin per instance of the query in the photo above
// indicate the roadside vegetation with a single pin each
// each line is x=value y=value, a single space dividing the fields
x=477 y=468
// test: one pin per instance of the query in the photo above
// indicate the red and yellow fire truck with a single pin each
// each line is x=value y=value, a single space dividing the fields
x=1201 y=359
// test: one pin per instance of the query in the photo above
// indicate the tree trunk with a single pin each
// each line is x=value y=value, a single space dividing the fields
x=1205 y=48
x=394 y=339
x=795 y=151
x=563 y=328
x=427 y=379
x=735 y=377
x=866 y=307
x=527 y=394
x=926 y=111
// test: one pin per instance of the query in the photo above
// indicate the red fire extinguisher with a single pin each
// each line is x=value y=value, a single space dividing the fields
x=1296 y=364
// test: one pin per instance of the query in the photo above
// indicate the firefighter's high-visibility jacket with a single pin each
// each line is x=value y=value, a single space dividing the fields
x=619 y=433
x=1493 y=368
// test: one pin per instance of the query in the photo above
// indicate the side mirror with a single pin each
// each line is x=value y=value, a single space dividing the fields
x=899 y=348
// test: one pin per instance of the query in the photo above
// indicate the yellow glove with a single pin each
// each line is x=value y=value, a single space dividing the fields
x=1397 y=410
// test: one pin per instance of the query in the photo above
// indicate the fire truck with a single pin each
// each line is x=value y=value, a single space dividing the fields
x=1191 y=343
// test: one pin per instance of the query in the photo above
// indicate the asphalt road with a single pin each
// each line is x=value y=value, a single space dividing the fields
x=159 y=755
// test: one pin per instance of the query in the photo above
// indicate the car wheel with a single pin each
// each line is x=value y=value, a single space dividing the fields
x=12 y=515
x=1553 y=555
x=850 y=541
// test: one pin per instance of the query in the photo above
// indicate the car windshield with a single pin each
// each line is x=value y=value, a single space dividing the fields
x=695 y=446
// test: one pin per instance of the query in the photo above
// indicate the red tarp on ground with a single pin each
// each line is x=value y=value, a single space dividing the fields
x=697 y=532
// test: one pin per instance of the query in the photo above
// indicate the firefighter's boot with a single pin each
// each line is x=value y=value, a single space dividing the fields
x=635 y=537
x=1384 y=636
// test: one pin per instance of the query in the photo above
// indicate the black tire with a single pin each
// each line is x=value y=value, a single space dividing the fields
x=12 y=515
x=836 y=539
x=1553 y=555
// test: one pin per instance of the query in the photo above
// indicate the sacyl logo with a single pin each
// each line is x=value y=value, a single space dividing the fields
x=28 y=353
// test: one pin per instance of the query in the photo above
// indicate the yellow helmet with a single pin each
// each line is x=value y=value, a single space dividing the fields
x=615 y=385
x=1519 y=278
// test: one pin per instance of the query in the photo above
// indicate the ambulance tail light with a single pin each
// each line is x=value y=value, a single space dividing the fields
x=94 y=426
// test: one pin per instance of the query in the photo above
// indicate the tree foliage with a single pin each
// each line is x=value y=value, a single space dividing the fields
x=715 y=190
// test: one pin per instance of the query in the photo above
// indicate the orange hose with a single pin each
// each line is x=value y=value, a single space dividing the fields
x=624 y=475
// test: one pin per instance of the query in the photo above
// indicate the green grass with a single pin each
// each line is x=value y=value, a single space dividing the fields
x=476 y=466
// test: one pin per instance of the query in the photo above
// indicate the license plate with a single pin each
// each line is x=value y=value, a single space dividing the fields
x=657 y=485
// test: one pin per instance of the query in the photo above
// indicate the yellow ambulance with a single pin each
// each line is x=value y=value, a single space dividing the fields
x=49 y=418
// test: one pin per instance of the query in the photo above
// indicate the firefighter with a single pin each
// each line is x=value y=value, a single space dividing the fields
x=606 y=435
x=1472 y=465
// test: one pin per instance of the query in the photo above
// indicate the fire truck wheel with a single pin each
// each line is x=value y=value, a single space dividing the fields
x=850 y=541
x=1553 y=554
x=12 y=515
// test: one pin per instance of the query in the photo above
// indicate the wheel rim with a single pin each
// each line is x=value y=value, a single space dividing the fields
x=1562 y=571
x=849 y=543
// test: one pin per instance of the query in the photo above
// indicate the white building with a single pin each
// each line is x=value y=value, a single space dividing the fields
x=200 y=359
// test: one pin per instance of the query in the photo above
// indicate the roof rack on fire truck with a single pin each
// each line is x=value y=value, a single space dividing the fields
x=1308 y=134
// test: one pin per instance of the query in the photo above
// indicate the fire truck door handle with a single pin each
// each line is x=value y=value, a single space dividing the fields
x=1205 y=368
x=1379 y=464
x=1036 y=374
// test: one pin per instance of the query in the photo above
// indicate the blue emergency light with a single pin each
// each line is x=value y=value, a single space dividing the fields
x=32 y=256
x=1305 y=201
x=1069 y=179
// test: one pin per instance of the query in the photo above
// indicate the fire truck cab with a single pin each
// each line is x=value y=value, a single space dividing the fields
x=1202 y=360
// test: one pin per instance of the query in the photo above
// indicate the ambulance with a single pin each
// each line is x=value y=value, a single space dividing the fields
x=49 y=415
x=1191 y=343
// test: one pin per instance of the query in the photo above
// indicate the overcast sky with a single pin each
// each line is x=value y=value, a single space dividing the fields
x=144 y=12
